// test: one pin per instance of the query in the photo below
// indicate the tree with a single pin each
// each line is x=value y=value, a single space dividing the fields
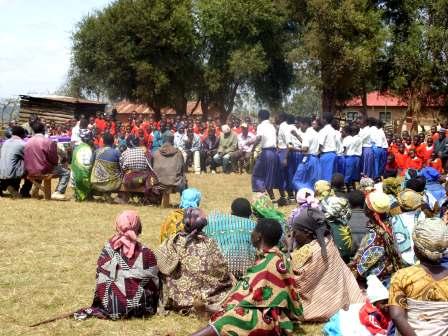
x=340 y=41
x=143 y=50
x=243 y=46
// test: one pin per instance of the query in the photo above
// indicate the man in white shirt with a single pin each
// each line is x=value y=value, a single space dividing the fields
x=328 y=143
x=367 y=158
x=266 y=169
x=308 y=171
x=241 y=158
x=353 y=150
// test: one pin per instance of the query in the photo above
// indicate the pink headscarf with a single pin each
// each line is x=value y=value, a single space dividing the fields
x=128 y=227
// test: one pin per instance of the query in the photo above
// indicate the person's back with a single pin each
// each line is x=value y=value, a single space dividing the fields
x=358 y=220
x=106 y=172
x=11 y=158
x=134 y=159
x=40 y=155
x=169 y=165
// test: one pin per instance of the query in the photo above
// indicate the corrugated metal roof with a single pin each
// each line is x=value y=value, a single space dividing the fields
x=126 y=107
x=64 y=99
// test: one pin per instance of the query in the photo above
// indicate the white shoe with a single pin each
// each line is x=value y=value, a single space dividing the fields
x=198 y=173
x=58 y=196
x=213 y=172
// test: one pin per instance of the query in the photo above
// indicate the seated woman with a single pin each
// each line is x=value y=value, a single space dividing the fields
x=106 y=173
x=324 y=282
x=377 y=253
x=138 y=173
x=418 y=295
x=392 y=187
x=233 y=235
x=265 y=301
x=82 y=166
x=433 y=185
x=127 y=283
x=337 y=215
x=173 y=223
x=192 y=267
x=404 y=223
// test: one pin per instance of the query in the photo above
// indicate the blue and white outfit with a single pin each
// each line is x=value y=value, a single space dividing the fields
x=353 y=152
x=328 y=142
x=379 y=149
x=282 y=145
x=308 y=172
x=295 y=155
x=340 y=157
x=367 y=158
x=265 y=173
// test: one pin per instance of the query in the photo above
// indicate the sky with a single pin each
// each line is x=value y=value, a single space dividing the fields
x=35 y=43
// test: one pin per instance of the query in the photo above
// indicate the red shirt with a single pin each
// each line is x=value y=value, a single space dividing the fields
x=415 y=163
x=100 y=124
x=435 y=137
x=374 y=319
x=41 y=155
x=424 y=152
x=401 y=159
x=436 y=164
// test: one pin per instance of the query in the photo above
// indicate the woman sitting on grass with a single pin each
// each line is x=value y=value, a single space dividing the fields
x=324 y=282
x=192 y=267
x=127 y=283
x=418 y=295
x=173 y=223
x=265 y=301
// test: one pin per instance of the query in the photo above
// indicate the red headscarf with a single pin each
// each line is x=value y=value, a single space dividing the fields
x=128 y=227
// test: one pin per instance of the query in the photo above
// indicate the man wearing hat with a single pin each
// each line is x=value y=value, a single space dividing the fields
x=241 y=158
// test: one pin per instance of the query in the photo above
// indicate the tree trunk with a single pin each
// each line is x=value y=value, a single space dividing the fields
x=328 y=101
x=364 y=102
x=204 y=107
x=181 y=106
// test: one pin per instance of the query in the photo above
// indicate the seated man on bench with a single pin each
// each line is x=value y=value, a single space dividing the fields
x=41 y=158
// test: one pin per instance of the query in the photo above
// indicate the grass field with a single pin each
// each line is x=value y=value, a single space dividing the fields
x=48 y=256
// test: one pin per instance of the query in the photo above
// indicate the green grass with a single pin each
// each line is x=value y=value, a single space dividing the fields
x=49 y=252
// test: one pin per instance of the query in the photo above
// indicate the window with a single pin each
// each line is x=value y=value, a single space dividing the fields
x=352 y=116
x=385 y=117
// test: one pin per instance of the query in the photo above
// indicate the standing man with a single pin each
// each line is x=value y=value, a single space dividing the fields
x=41 y=157
x=265 y=174
x=328 y=144
x=441 y=147
x=12 y=167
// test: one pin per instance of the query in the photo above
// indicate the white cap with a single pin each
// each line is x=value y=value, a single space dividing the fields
x=225 y=129
x=376 y=290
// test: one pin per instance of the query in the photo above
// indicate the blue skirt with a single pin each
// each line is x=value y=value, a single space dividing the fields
x=327 y=163
x=352 y=169
x=383 y=161
x=307 y=173
x=340 y=164
x=377 y=155
x=294 y=160
x=283 y=159
x=367 y=162
x=266 y=170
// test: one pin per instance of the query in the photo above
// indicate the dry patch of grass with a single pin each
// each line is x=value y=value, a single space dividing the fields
x=49 y=252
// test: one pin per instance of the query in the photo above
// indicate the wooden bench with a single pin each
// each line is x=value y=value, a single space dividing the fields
x=165 y=196
x=46 y=187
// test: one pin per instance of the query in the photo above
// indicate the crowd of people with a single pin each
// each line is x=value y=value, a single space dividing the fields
x=365 y=250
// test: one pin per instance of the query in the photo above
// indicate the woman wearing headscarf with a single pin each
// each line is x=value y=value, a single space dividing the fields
x=192 y=267
x=418 y=295
x=392 y=187
x=82 y=162
x=173 y=223
x=127 y=283
x=266 y=300
x=305 y=199
x=324 y=282
x=138 y=172
x=433 y=186
x=337 y=214
x=377 y=253
x=404 y=223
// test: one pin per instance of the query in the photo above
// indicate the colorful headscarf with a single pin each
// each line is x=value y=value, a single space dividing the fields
x=379 y=204
x=336 y=208
x=263 y=208
x=86 y=135
x=366 y=185
x=430 y=238
x=191 y=198
x=322 y=189
x=128 y=227
x=392 y=186
x=305 y=199
x=195 y=220
x=410 y=200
